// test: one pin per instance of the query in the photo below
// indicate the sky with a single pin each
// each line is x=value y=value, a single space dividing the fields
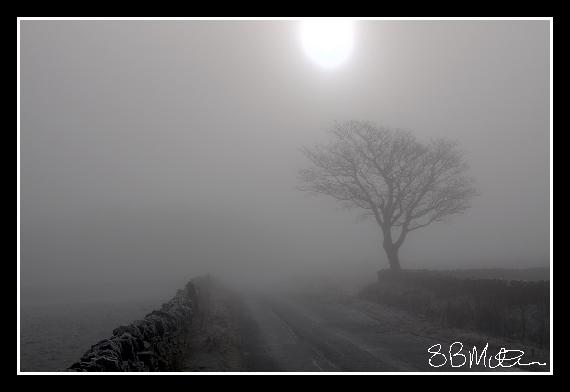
x=155 y=151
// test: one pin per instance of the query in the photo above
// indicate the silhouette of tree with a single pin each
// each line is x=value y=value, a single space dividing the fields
x=403 y=183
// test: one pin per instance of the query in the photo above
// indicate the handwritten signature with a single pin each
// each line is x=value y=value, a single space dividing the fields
x=455 y=357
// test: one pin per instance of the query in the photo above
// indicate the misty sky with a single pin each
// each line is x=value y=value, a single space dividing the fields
x=153 y=151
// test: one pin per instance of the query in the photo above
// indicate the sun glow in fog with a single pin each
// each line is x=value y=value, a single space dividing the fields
x=328 y=42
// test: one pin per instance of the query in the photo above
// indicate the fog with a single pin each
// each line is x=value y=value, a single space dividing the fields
x=155 y=151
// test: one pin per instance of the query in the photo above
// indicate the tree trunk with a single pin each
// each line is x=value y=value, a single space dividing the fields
x=393 y=258
x=391 y=249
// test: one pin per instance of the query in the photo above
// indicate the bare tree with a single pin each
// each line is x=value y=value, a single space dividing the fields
x=403 y=183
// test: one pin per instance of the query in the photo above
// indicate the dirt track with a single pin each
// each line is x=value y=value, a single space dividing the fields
x=270 y=333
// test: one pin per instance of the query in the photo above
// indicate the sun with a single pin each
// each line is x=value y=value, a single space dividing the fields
x=328 y=42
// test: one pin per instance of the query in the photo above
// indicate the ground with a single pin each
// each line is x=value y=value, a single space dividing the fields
x=214 y=343
x=312 y=333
